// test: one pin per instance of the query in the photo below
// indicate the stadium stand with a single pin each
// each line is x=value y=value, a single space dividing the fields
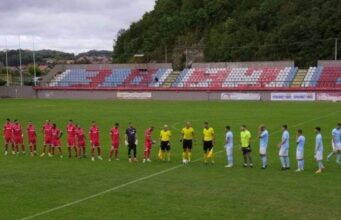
x=236 y=77
x=111 y=77
x=220 y=76
x=326 y=75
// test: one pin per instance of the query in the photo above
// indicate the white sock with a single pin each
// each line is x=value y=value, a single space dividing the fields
x=330 y=155
x=282 y=161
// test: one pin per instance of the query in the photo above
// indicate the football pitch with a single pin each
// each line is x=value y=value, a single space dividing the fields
x=53 y=188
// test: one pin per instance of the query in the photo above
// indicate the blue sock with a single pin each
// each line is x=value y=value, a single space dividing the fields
x=338 y=156
x=230 y=160
x=302 y=164
x=265 y=161
x=287 y=162
x=299 y=164
x=282 y=162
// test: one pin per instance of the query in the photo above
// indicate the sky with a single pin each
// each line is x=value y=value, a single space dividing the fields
x=68 y=25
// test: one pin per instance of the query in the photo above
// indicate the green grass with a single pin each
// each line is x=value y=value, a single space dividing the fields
x=33 y=185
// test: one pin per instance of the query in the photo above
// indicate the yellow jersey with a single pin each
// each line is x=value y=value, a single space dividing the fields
x=165 y=135
x=208 y=134
x=187 y=133
x=245 y=138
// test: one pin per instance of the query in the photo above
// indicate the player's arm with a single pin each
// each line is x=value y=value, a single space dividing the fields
x=90 y=137
x=334 y=138
x=136 y=139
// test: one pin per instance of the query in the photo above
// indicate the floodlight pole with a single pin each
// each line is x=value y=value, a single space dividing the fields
x=20 y=69
x=34 y=66
x=335 y=53
x=7 y=74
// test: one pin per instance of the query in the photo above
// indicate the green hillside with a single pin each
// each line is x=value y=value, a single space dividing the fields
x=233 y=30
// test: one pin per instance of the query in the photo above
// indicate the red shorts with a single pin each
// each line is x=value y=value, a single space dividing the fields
x=8 y=139
x=18 y=140
x=56 y=143
x=95 y=143
x=115 y=146
x=148 y=146
x=48 y=141
x=81 y=144
x=71 y=142
x=32 y=141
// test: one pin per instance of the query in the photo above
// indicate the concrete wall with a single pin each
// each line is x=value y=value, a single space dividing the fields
x=155 y=95
x=245 y=64
x=329 y=63
x=17 y=92
x=76 y=94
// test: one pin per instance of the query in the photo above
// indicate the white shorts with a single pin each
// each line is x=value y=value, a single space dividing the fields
x=337 y=147
x=299 y=155
x=262 y=150
x=283 y=152
x=229 y=151
x=319 y=155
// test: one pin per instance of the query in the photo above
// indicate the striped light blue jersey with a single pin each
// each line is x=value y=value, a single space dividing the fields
x=285 y=139
x=318 y=143
x=300 y=143
x=229 y=140
x=336 y=135
x=264 y=139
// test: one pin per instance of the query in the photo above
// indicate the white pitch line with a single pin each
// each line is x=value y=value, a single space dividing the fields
x=145 y=178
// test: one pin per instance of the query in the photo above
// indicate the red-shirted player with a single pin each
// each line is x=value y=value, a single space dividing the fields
x=18 y=137
x=71 y=137
x=8 y=136
x=47 y=131
x=115 y=141
x=148 y=142
x=56 y=134
x=80 y=141
x=94 y=141
x=32 y=138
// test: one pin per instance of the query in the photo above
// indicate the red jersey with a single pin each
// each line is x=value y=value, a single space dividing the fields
x=115 y=136
x=80 y=135
x=17 y=131
x=148 y=137
x=94 y=134
x=31 y=132
x=71 y=131
x=8 y=130
x=47 y=129
x=55 y=133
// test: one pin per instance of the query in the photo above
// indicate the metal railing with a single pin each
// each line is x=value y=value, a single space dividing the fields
x=196 y=84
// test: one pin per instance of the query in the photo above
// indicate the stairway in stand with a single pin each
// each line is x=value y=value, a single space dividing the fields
x=299 y=78
x=171 y=79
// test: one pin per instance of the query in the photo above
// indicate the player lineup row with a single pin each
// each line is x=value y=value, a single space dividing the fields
x=76 y=141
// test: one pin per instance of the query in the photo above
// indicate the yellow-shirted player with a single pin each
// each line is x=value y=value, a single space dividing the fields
x=165 y=136
x=208 y=142
x=187 y=138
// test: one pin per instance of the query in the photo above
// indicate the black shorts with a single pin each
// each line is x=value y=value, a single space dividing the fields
x=131 y=146
x=165 y=146
x=246 y=150
x=187 y=144
x=208 y=145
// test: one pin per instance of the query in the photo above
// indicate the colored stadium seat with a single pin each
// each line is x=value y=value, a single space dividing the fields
x=106 y=78
x=236 y=77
